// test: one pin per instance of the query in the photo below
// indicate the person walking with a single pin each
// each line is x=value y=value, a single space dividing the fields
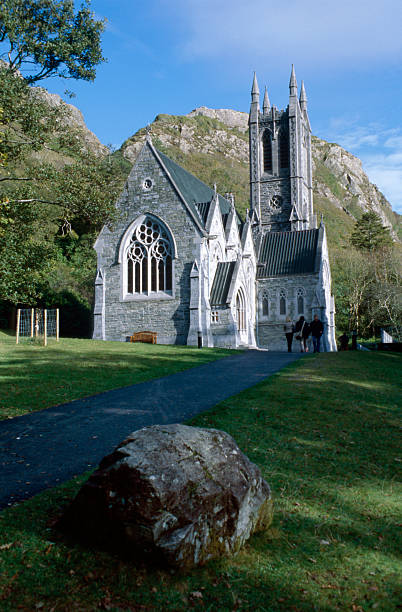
x=344 y=342
x=317 y=329
x=299 y=329
x=305 y=336
x=288 y=328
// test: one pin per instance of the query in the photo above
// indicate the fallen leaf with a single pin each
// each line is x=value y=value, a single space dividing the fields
x=196 y=594
x=6 y=546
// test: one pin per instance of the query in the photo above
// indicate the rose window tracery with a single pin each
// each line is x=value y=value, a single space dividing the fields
x=149 y=259
x=276 y=202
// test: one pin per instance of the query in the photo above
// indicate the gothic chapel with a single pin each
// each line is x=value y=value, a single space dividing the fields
x=182 y=263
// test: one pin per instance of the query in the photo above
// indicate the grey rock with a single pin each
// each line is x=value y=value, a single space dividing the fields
x=72 y=117
x=181 y=495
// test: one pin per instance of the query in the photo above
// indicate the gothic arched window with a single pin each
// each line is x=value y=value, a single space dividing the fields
x=267 y=152
x=300 y=301
x=283 y=149
x=282 y=302
x=149 y=259
x=264 y=304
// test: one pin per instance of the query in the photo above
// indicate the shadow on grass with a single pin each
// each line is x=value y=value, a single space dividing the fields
x=327 y=447
x=36 y=377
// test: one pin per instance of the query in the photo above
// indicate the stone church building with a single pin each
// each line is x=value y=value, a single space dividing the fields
x=182 y=263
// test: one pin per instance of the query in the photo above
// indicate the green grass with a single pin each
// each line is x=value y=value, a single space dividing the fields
x=325 y=433
x=33 y=377
x=324 y=175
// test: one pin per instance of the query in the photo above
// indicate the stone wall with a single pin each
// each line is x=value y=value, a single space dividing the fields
x=270 y=333
x=168 y=315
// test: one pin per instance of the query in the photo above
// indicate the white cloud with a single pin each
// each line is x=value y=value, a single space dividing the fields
x=313 y=31
x=380 y=150
x=387 y=177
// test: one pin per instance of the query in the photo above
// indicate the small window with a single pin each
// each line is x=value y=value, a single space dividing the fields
x=282 y=302
x=267 y=152
x=300 y=301
x=264 y=304
x=284 y=149
x=214 y=316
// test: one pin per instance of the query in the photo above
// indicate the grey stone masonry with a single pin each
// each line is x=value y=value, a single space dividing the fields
x=167 y=314
x=281 y=190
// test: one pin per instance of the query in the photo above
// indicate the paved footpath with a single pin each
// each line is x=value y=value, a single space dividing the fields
x=43 y=449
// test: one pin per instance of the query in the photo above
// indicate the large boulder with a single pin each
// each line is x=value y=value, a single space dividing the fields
x=179 y=494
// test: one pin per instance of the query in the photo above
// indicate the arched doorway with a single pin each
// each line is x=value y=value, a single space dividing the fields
x=241 y=317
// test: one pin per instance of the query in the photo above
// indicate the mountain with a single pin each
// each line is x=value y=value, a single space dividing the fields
x=74 y=118
x=213 y=144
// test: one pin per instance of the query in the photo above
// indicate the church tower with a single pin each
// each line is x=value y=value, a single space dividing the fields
x=281 y=192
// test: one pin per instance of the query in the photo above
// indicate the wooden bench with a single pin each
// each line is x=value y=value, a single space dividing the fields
x=144 y=336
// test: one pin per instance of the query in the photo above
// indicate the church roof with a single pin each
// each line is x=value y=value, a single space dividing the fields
x=221 y=284
x=197 y=195
x=286 y=253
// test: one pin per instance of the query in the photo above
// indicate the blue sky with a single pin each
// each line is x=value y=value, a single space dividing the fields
x=170 y=56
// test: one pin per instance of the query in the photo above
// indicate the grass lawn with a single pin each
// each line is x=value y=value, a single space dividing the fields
x=33 y=377
x=325 y=433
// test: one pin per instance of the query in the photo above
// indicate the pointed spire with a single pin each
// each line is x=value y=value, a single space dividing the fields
x=255 y=92
x=148 y=133
x=293 y=82
x=303 y=97
x=266 y=104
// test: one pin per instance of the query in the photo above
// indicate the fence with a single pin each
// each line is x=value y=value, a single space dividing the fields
x=37 y=323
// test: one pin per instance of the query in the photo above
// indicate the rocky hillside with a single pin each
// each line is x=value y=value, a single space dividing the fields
x=74 y=118
x=213 y=144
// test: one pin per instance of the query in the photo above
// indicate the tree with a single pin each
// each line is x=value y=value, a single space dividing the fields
x=369 y=233
x=353 y=279
x=386 y=295
x=47 y=38
x=51 y=185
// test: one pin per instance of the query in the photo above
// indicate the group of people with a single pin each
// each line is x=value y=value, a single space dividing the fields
x=303 y=331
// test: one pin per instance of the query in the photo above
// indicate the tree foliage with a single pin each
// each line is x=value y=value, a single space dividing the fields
x=54 y=192
x=369 y=233
x=368 y=290
x=45 y=38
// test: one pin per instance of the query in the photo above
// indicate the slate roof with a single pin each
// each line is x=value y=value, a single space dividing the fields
x=196 y=194
x=286 y=253
x=203 y=208
x=221 y=284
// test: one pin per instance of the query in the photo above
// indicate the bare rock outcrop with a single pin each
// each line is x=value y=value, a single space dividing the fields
x=353 y=189
x=231 y=118
x=73 y=118
x=178 y=494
